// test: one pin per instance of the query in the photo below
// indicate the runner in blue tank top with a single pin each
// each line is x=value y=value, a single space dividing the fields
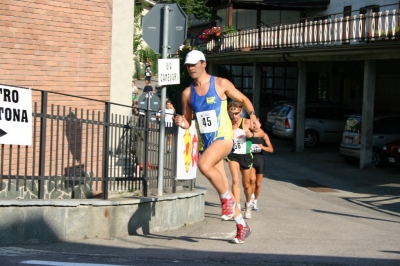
x=205 y=100
x=209 y=110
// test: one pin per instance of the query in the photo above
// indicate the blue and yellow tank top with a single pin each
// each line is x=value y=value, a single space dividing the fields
x=211 y=115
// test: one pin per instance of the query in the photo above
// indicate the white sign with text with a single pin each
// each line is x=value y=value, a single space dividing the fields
x=168 y=71
x=15 y=115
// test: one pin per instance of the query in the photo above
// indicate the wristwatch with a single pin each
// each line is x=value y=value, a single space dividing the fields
x=252 y=113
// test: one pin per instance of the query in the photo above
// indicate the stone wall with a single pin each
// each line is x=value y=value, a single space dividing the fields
x=39 y=221
x=60 y=189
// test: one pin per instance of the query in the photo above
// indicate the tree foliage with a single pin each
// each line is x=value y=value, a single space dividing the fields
x=138 y=50
x=201 y=12
x=195 y=7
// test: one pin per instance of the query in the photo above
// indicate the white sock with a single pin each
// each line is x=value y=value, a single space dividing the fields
x=239 y=220
x=252 y=196
x=225 y=195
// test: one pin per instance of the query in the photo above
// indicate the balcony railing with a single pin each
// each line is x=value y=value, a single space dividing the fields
x=355 y=29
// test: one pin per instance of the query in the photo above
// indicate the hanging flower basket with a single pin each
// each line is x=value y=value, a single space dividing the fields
x=210 y=34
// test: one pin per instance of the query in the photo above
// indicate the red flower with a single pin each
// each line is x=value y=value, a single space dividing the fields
x=209 y=33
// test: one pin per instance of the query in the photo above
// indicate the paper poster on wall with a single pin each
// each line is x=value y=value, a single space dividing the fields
x=187 y=153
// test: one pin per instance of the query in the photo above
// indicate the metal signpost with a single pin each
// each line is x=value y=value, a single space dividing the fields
x=164 y=30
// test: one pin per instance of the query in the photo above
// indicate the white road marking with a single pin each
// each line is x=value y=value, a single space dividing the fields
x=13 y=251
x=59 y=263
x=219 y=235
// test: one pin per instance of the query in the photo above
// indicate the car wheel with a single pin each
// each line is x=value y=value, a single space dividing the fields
x=376 y=158
x=311 y=138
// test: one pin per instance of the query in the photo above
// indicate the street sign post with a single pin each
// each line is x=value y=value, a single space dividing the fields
x=164 y=30
x=153 y=27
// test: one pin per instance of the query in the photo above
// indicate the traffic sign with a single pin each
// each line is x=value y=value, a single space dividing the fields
x=15 y=115
x=168 y=71
x=149 y=101
x=153 y=27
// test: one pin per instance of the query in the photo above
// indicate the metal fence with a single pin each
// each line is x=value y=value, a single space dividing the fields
x=85 y=148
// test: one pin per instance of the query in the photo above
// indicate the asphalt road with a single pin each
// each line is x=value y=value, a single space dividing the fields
x=315 y=209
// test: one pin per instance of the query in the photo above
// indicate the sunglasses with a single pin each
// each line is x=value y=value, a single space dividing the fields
x=234 y=113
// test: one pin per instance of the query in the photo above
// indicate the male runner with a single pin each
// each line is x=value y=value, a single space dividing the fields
x=206 y=98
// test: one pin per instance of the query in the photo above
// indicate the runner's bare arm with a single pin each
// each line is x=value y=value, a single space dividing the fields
x=226 y=87
x=185 y=120
x=247 y=128
x=269 y=147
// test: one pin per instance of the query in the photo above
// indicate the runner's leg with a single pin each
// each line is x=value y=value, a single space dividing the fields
x=248 y=190
x=246 y=182
x=234 y=168
x=258 y=185
x=208 y=161
x=211 y=165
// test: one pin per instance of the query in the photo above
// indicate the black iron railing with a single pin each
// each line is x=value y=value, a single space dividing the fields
x=87 y=151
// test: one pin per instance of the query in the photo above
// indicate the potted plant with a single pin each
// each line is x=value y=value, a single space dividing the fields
x=209 y=34
x=229 y=29
x=390 y=33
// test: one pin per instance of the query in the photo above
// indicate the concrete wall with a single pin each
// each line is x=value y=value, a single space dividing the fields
x=39 y=221
x=121 y=55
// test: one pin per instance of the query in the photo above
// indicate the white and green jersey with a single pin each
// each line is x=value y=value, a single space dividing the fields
x=242 y=143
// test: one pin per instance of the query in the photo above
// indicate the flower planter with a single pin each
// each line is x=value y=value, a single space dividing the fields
x=210 y=34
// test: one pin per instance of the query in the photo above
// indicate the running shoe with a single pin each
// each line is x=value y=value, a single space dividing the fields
x=244 y=208
x=247 y=212
x=242 y=233
x=228 y=208
x=255 y=206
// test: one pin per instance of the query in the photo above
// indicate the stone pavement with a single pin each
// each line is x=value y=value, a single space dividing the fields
x=315 y=209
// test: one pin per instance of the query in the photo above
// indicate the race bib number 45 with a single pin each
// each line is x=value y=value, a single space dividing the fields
x=207 y=121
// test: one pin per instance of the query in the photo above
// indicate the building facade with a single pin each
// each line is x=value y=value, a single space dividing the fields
x=345 y=53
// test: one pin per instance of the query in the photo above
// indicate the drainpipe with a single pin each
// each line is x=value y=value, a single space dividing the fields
x=230 y=11
x=259 y=28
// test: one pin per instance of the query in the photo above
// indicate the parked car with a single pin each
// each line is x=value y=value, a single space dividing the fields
x=268 y=101
x=324 y=122
x=386 y=128
x=270 y=120
x=391 y=152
